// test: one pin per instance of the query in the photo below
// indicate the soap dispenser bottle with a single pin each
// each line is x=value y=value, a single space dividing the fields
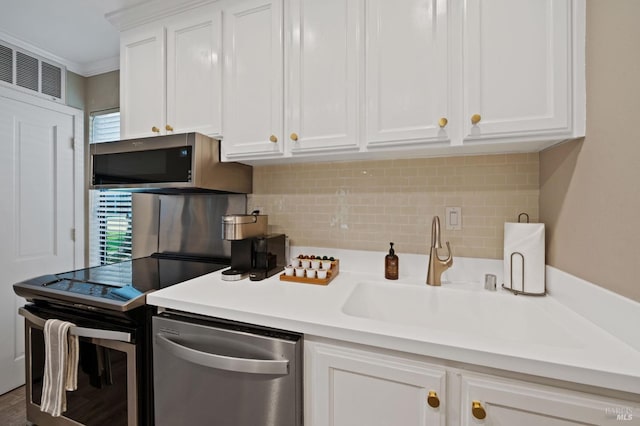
x=391 y=265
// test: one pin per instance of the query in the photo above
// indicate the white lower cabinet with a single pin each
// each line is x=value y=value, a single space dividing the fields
x=351 y=385
x=493 y=401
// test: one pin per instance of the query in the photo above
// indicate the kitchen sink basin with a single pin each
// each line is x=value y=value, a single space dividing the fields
x=477 y=314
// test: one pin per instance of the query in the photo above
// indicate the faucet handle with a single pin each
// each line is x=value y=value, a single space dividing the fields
x=448 y=261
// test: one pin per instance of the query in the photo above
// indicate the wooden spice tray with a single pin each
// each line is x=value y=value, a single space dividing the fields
x=331 y=274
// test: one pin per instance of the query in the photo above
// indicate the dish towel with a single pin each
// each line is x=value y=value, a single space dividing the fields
x=60 y=366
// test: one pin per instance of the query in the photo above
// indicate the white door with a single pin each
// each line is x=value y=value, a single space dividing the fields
x=408 y=76
x=194 y=69
x=346 y=387
x=325 y=57
x=252 y=121
x=36 y=214
x=516 y=68
x=142 y=82
x=492 y=401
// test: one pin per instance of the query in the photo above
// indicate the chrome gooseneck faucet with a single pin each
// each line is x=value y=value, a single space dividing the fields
x=436 y=265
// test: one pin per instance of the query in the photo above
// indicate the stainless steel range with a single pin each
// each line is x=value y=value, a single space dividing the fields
x=175 y=238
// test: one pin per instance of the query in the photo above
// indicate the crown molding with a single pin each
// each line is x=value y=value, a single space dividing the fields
x=149 y=11
x=101 y=66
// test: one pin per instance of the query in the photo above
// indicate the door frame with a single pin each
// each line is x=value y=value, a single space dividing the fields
x=79 y=186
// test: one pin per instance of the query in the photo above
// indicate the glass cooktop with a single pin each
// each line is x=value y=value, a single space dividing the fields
x=122 y=281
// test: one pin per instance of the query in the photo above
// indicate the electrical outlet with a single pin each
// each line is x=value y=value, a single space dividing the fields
x=453 y=218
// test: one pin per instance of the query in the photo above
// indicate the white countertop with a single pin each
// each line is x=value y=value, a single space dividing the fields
x=556 y=336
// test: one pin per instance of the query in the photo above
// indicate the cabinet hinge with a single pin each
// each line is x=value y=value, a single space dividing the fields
x=73 y=234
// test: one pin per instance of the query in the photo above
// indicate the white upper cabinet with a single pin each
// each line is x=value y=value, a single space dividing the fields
x=408 y=76
x=294 y=95
x=357 y=79
x=323 y=62
x=142 y=81
x=194 y=72
x=253 y=79
x=517 y=68
x=170 y=76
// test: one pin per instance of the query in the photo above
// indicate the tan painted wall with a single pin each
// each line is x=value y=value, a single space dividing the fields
x=590 y=189
x=102 y=92
x=366 y=204
x=75 y=90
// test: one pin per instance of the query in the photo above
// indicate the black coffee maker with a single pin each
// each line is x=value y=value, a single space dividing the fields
x=254 y=253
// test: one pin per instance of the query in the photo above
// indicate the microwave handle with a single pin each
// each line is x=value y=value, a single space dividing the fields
x=221 y=362
x=92 y=333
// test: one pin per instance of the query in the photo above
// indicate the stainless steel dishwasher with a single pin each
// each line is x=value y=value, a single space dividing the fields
x=215 y=372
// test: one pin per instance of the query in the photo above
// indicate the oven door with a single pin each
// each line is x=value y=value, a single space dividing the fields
x=107 y=377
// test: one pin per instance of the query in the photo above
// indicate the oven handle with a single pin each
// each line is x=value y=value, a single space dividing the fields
x=221 y=362
x=92 y=333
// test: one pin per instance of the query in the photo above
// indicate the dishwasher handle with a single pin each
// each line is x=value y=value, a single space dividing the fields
x=222 y=362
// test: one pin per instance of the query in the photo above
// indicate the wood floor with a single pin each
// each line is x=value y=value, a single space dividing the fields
x=13 y=408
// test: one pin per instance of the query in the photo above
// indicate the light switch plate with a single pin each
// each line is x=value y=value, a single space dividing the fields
x=453 y=218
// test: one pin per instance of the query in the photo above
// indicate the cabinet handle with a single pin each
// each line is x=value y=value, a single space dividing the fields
x=443 y=122
x=477 y=410
x=475 y=118
x=154 y=129
x=433 y=400
x=273 y=138
x=168 y=128
x=294 y=136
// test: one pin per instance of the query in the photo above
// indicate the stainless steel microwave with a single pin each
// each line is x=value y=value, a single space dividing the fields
x=187 y=162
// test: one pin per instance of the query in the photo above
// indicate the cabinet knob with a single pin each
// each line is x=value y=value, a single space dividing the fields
x=273 y=138
x=168 y=128
x=154 y=129
x=294 y=136
x=433 y=400
x=443 y=122
x=477 y=410
x=475 y=118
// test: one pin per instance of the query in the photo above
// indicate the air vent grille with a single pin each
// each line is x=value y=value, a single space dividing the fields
x=26 y=71
x=6 y=64
x=51 y=80
x=22 y=70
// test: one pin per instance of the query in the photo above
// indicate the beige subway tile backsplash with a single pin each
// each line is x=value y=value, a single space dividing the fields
x=366 y=204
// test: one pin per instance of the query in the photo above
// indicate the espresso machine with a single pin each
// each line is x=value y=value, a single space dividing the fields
x=254 y=253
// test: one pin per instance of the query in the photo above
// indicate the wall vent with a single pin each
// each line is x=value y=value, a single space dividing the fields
x=31 y=73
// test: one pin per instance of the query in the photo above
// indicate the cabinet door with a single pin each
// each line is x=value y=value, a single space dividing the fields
x=517 y=64
x=142 y=82
x=324 y=59
x=407 y=71
x=194 y=69
x=346 y=387
x=506 y=402
x=253 y=79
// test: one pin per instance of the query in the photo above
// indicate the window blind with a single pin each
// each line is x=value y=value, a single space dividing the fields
x=110 y=221
x=105 y=127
